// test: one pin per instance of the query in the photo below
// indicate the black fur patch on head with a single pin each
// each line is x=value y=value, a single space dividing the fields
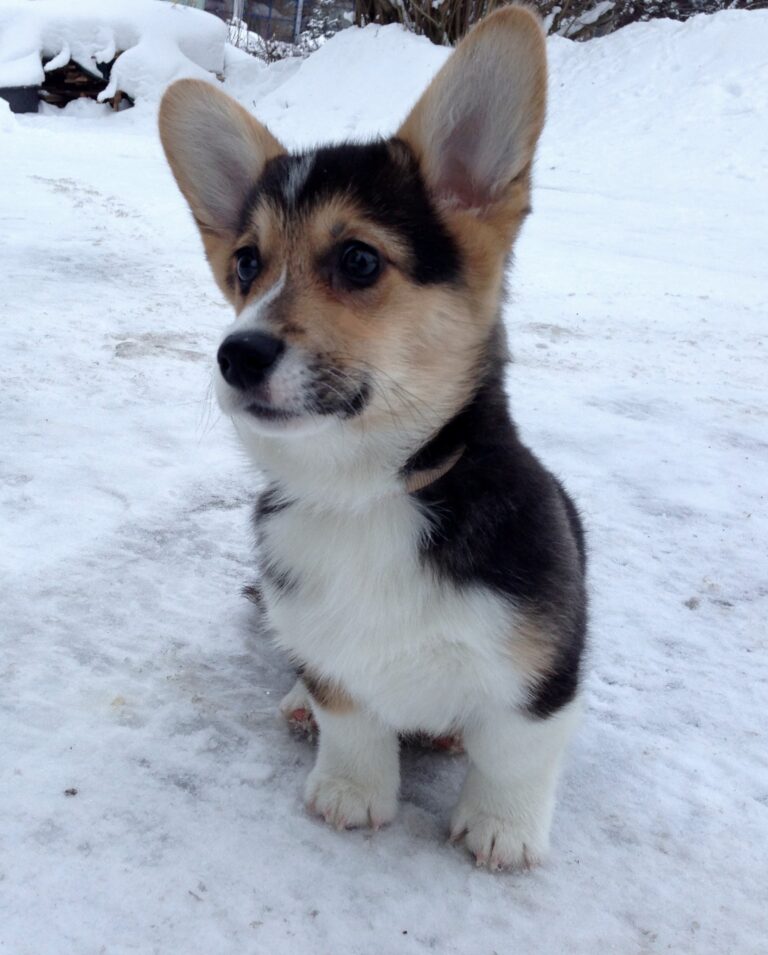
x=500 y=519
x=384 y=179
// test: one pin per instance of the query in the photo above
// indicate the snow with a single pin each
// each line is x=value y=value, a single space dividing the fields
x=160 y=42
x=7 y=122
x=133 y=671
x=346 y=84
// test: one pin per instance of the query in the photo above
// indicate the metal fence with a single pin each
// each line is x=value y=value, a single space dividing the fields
x=275 y=19
x=282 y=20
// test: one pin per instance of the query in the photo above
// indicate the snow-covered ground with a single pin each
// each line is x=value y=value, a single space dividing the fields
x=135 y=674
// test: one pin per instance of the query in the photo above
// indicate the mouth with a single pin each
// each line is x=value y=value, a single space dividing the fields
x=262 y=418
x=318 y=404
x=265 y=412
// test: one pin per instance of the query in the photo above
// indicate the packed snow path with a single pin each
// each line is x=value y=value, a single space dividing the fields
x=150 y=797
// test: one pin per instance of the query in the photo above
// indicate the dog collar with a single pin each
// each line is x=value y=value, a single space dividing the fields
x=420 y=479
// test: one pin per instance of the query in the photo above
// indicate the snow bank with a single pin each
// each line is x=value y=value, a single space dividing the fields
x=361 y=82
x=159 y=42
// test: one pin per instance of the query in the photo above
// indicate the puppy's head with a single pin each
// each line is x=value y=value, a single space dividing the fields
x=365 y=278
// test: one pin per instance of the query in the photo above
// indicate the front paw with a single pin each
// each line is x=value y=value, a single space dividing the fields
x=349 y=804
x=508 y=841
x=296 y=710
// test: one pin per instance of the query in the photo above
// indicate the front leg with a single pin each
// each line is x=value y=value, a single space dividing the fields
x=356 y=776
x=506 y=804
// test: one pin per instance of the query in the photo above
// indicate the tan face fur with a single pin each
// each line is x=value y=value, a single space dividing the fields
x=412 y=348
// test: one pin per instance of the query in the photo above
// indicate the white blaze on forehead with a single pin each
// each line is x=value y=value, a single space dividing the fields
x=298 y=172
x=251 y=314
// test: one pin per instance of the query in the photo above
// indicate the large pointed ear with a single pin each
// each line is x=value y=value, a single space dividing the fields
x=476 y=126
x=216 y=150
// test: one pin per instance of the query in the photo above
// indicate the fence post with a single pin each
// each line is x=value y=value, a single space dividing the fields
x=297 y=22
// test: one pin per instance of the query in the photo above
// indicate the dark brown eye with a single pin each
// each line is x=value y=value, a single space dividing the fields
x=359 y=264
x=248 y=265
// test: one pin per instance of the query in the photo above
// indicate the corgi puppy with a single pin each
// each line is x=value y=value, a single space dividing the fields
x=419 y=565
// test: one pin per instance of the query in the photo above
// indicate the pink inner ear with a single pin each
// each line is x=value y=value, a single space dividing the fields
x=459 y=177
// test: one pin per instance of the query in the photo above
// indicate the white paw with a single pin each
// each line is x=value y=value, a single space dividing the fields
x=349 y=804
x=501 y=842
x=296 y=699
x=296 y=710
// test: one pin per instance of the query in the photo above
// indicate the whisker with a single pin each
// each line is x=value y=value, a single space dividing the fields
x=411 y=402
x=208 y=416
x=345 y=377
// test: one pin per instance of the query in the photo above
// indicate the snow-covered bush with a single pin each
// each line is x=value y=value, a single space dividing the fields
x=445 y=21
x=325 y=18
x=322 y=20
x=270 y=49
x=584 y=19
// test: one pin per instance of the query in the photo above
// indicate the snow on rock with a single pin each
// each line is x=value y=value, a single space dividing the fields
x=150 y=798
x=17 y=69
x=159 y=42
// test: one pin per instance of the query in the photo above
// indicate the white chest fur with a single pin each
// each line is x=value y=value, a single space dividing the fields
x=363 y=609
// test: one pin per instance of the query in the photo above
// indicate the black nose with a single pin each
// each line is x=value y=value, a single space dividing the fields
x=246 y=357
